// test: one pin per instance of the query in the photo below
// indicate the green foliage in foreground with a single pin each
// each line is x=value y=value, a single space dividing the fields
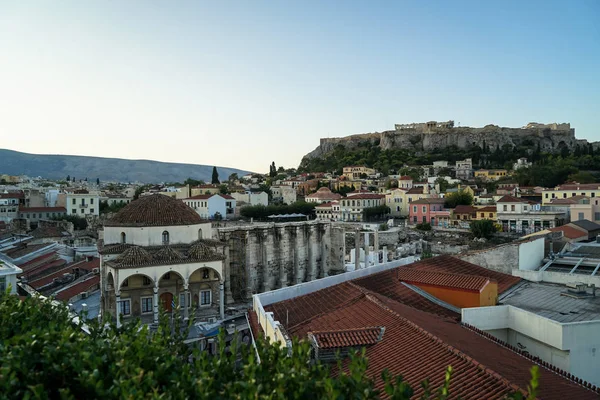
x=43 y=355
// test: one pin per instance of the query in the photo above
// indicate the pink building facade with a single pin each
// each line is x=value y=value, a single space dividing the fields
x=428 y=210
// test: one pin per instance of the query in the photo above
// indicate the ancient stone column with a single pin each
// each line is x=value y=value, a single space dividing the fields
x=299 y=259
x=286 y=256
x=250 y=257
x=367 y=264
x=376 y=246
x=266 y=245
x=357 y=250
x=227 y=271
x=221 y=300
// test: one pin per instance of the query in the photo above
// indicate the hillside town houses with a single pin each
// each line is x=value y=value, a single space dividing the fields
x=349 y=266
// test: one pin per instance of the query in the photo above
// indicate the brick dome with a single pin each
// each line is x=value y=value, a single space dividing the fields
x=155 y=210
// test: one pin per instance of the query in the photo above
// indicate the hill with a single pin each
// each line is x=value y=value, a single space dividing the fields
x=107 y=169
x=423 y=143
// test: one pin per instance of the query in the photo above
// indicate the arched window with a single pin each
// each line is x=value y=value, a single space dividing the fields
x=165 y=237
x=123 y=237
x=199 y=233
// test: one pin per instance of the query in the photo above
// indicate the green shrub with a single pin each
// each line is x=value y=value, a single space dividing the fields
x=425 y=226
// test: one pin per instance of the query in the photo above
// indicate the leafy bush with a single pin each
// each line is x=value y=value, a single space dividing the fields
x=459 y=198
x=484 y=228
x=375 y=212
x=425 y=226
x=44 y=354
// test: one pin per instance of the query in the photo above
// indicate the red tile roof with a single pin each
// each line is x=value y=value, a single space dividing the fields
x=327 y=205
x=155 y=210
x=429 y=200
x=462 y=209
x=415 y=190
x=563 y=201
x=324 y=194
x=487 y=209
x=435 y=278
x=510 y=199
x=419 y=345
x=89 y=283
x=579 y=186
x=12 y=195
x=366 y=196
x=42 y=209
x=405 y=178
x=347 y=337
x=41 y=281
x=449 y=264
x=570 y=232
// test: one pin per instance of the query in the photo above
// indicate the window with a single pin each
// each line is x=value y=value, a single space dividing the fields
x=199 y=233
x=424 y=218
x=580 y=216
x=512 y=207
x=125 y=307
x=91 y=201
x=546 y=195
x=82 y=211
x=564 y=196
x=482 y=215
x=74 y=201
x=123 y=238
x=415 y=209
x=182 y=299
x=415 y=219
x=205 y=297
x=47 y=215
x=525 y=208
x=593 y=194
x=147 y=305
x=424 y=209
x=34 y=215
x=73 y=211
x=504 y=207
x=491 y=215
x=165 y=237
x=125 y=283
x=596 y=216
x=397 y=208
x=205 y=274
x=91 y=210
x=147 y=281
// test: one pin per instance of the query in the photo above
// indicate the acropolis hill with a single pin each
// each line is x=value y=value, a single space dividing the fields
x=432 y=135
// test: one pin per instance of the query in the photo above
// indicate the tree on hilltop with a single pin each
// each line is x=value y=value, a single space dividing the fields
x=215 y=176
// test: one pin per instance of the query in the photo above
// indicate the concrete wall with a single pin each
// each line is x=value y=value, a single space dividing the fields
x=152 y=235
x=556 y=277
x=506 y=258
x=573 y=347
x=531 y=254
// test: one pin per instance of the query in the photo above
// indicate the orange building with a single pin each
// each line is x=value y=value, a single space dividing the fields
x=459 y=290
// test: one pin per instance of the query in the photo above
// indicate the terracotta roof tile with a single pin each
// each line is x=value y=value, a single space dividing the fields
x=88 y=283
x=347 y=337
x=510 y=199
x=569 y=232
x=435 y=278
x=430 y=200
x=155 y=210
x=462 y=209
x=449 y=264
x=415 y=190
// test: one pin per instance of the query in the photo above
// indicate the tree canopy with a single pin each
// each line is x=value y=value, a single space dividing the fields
x=45 y=354
x=458 y=198
x=215 y=176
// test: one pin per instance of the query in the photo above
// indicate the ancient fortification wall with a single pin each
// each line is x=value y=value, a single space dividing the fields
x=431 y=135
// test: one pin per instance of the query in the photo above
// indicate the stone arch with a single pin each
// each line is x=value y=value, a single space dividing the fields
x=199 y=272
x=132 y=284
x=171 y=276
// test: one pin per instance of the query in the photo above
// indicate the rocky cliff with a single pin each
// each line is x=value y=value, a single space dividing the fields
x=549 y=139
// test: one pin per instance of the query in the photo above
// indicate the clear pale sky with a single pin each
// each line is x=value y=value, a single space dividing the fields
x=244 y=83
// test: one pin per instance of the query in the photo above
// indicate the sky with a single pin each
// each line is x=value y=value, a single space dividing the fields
x=245 y=83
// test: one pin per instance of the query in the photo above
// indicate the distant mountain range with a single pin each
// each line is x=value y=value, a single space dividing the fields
x=107 y=169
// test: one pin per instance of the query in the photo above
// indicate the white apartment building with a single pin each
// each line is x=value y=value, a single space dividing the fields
x=253 y=199
x=8 y=275
x=9 y=206
x=81 y=203
x=518 y=215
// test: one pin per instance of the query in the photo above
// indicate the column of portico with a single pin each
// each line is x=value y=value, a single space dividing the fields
x=221 y=300
x=185 y=305
x=118 y=303
x=155 y=303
